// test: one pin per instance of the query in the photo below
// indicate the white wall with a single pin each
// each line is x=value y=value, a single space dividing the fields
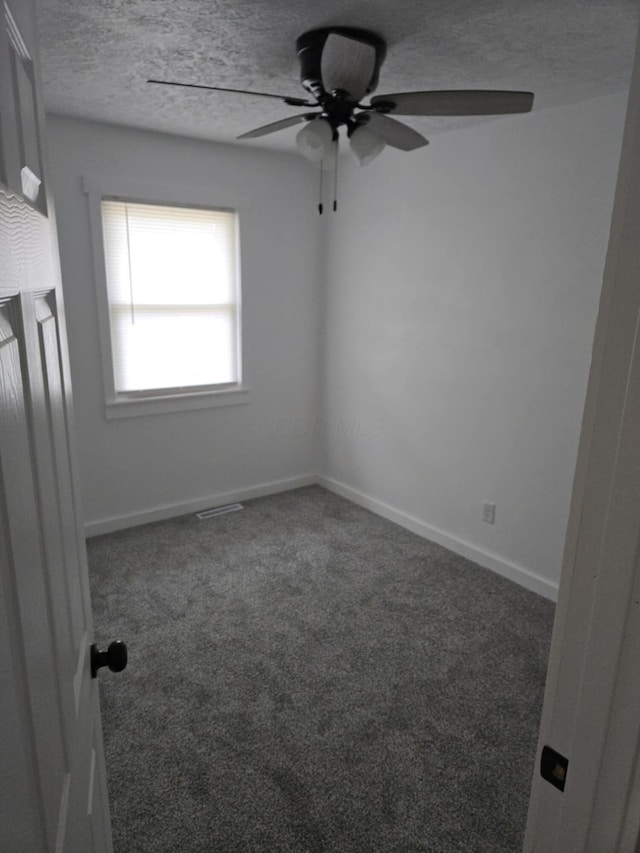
x=455 y=292
x=132 y=467
x=462 y=289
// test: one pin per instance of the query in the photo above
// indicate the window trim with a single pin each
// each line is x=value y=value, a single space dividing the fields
x=135 y=404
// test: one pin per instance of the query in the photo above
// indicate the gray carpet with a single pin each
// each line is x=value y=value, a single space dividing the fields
x=305 y=676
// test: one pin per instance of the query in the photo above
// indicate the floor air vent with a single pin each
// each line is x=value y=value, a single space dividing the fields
x=219 y=510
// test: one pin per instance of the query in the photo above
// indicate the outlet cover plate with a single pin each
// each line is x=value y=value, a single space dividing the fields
x=488 y=512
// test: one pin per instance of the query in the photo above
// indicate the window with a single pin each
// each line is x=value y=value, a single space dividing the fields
x=172 y=281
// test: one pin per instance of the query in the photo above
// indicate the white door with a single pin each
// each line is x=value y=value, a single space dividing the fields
x=52 y=774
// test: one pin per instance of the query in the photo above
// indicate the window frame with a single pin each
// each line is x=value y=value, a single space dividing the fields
x=135 y=404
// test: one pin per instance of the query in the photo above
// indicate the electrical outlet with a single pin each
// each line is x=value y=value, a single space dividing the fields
x=488 y=512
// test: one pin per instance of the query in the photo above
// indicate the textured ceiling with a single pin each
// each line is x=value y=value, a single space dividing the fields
x=97 y=54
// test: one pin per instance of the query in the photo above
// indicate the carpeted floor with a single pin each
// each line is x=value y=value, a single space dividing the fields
x=307 y=677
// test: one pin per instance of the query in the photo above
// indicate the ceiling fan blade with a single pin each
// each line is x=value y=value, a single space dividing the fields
x=395 y=133
x=293 y=102
x=276 y=125
x=457 y=102
x=347 y=64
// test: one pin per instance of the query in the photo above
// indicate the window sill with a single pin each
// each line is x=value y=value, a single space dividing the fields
x=135 y=407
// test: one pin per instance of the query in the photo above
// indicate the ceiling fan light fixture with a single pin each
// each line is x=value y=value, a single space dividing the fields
x=365 y=144
x=339 y=66
x=314 y=140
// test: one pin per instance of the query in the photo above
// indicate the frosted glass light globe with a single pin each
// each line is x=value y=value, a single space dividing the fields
x=365 y=144
x=314 y=140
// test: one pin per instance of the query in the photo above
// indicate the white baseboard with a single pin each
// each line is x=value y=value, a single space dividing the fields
x=161 y=513
x=497 y=564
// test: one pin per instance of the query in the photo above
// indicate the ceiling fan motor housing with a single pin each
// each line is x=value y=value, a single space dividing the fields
x=309 y=47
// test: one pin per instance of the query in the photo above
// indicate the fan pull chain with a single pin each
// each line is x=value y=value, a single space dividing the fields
x=320 y=207
x=335 y=180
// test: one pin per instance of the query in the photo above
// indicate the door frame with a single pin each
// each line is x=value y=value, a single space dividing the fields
x=592 y=698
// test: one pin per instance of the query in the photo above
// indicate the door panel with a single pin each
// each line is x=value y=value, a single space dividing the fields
x=16 y=749
x=53 y=793
x=27 y=573
x=71 y=580
x=60 y=611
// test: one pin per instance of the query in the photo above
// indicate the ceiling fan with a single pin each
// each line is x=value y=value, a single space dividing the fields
x=339 y=66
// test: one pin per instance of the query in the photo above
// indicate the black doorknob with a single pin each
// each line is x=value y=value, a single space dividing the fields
x=115 y=657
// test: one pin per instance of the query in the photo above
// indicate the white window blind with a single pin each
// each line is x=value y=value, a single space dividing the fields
x=172 y=282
